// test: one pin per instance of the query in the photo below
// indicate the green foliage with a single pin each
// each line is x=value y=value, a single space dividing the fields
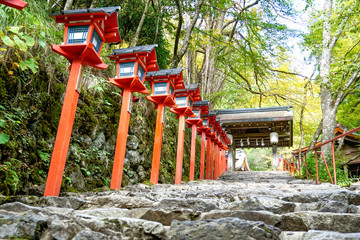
x=4 y=138
x=342 y=178
x=17 y=44
x=259 y=159
x=9 y=173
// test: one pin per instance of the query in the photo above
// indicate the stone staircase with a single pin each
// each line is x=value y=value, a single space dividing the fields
x=240 y=205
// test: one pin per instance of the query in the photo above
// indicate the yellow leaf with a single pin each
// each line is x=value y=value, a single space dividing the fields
x=11 y=73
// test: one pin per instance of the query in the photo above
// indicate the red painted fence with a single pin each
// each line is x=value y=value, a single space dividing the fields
x=293 y=164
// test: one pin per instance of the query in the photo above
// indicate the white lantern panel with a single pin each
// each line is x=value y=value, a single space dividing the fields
x=196 y=112
x=160 y=88
x=141 y=73
x=181 y=101
x=205 y=123
x=96 y=40
x=126 y=69
x=77 y=34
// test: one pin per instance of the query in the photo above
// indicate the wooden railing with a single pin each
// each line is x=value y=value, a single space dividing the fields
x=294 y=163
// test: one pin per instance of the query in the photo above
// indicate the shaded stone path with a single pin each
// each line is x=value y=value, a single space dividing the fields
x=240 y=205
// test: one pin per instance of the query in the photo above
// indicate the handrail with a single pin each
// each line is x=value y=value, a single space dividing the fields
x=333 y=139
x=315 y=148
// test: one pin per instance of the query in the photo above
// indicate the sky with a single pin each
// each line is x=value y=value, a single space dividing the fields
x=298 y=55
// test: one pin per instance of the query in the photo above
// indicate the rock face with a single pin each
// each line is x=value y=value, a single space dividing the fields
x=240 y=205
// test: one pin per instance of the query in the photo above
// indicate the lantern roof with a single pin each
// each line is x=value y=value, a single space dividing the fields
x=165 y=72
x=147 y=51
x=211 y=114
x=189 y=88
x=192 y=87
x=107 y=10
x=137 y=49
x=107 y=14
x=202 y=103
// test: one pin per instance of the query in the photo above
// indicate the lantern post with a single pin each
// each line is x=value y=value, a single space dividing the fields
x=217 y=149
x=193 y=123
x=184 y=100
x=131 y=67
x=86 y=30
x=225 y=143
x=210 y=144
x=202 y=129
x=163 y=84
x=221 y=148
x=17 y=4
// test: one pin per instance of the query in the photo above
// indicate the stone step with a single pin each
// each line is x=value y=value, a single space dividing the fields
x=318 y=235
x=223 y=228
x=241 y=205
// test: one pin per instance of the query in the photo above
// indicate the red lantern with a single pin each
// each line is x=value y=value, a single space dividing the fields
x=132 y=64
x=85 y=32
x=163 y=83
x=184 y=100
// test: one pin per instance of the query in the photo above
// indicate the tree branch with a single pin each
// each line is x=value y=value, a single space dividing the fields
x=178 y=29
x=177 y=57
x=286 y=72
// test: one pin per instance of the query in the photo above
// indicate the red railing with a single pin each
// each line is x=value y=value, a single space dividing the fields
x=293 y=166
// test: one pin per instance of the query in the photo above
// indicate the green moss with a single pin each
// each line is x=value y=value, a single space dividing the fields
x=148 y=183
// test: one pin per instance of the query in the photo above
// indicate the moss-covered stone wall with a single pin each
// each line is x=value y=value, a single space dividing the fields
x=31 y=106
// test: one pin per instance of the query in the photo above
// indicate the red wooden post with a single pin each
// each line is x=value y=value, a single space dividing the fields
x=299 y=166
x=212 y=159
x=208 y=156
x=192 y=156
x=317 y=170
x=62 y=141
x=333 y=161
x=307 y=171
x=18 y=4
x=121 y=140
x=327 y=168
x=221 y=162
x=180 y=149
x=216 y=165
x=224 y=161
x=159 y=128
x=79 y=52
x=202 y=157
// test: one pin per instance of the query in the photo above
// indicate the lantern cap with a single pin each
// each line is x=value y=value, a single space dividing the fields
x=107 y=10
x=211 y=114
x=192 y=87
x=106 y=14
x=201 y=103
x=137 y=49
x=165 y=72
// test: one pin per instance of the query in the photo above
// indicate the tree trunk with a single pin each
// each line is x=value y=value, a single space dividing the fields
x=178 y=29
x=186 y=42
x=68 y=5
x=327 y=104
x=93 y=3
x=158 y=21
x=136 y=37
x=316 y=135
